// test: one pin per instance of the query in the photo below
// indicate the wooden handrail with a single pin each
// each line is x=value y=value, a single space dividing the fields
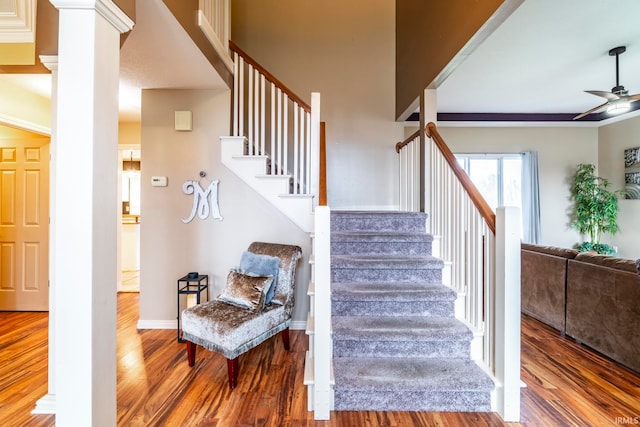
x=401 y=145
x=322 y=181
x=475 y=196
x=270 y=77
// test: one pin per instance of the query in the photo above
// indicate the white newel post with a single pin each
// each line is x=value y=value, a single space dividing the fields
x=315 y=144
x=86 y=211
x=47 y=403
x=507 y=356
x=322 y=309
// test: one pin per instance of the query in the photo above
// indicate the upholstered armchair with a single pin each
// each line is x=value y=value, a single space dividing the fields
x=240 y=319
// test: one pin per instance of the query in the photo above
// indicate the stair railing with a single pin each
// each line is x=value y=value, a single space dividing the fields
x=214 y=19
x=481 y=254
x=275 y=121
x=409 y=182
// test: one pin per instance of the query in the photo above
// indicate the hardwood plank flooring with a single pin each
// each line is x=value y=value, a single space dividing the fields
x=567 y=384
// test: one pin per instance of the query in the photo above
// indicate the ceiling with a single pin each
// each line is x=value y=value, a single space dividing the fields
x=543 y=57
x=539 y=61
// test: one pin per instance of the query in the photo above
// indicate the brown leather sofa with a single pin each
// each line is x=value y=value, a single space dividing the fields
x=592 y=298
x=544 y=283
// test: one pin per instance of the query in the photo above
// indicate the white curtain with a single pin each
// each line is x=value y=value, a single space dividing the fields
x=530 y=198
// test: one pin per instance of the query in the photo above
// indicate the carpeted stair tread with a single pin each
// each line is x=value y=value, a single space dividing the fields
x=378 y=236
x=378 y=221
x=391 y=291
x=399 y=328
x=409 y=374
x=425 y=262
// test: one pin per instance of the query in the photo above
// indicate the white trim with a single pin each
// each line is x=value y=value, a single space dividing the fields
x=366 y=208
x=24 y=125
x=45 y=405
x=107 y=8
x=49 y=61
x=298 y=325
x=19 y=26
x=215 y=41
x=157 y=324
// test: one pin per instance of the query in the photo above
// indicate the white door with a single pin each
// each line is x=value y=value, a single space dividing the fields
x=24 y=224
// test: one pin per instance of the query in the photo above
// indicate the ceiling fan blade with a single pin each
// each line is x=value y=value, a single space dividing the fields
x=635 y=97
x=608 y=95
x=593 y=110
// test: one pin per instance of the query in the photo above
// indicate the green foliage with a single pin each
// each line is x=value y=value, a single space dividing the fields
x=601 y=248
x=595 y=209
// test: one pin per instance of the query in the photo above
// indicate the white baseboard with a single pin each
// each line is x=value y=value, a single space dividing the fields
x=298 y=325
x=157 y=324
x=45 y=405
x=365 y=208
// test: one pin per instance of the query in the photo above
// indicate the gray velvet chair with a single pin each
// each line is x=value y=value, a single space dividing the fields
x=231 y=330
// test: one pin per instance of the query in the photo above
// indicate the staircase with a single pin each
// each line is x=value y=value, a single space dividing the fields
x=396 y=343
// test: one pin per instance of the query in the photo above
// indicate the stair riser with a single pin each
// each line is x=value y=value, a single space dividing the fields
x=357 y=223
x=381 y=248
x=385 y=275
x=393 y=308
x=382 y=348
x=445 y=401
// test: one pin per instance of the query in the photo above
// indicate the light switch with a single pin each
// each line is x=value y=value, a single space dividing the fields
x=158 y=181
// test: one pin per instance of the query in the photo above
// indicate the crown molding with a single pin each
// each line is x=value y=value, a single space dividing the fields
x=107 y=8
x=18 y=22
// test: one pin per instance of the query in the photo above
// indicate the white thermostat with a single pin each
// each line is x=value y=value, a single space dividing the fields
x=158 y=181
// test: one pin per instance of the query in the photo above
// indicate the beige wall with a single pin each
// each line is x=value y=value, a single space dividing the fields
x=169 y=249
x=613 y=140
x=559 y=149
x=129 y=133
x=346 y=51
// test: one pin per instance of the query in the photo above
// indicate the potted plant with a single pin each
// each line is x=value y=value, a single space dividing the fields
x=595 y=209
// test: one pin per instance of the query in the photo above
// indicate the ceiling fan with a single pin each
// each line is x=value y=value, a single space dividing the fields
x=618 y=100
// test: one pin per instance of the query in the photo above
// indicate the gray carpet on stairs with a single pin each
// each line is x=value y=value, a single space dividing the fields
x=396 y=343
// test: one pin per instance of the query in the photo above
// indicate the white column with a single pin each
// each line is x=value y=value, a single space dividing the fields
x=507 y=312
x=47 y=403
x=85 y=210
x=428 y=113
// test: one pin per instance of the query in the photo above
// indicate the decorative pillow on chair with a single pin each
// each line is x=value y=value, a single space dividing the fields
x=245 y=291
x=262 y=265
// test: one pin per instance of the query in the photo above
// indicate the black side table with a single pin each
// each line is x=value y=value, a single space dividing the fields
x=191 y=285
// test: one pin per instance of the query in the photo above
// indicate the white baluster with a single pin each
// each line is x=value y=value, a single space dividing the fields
x=308 y=155
x=285 y=133
x=279 y=134
x=273 y=128
x=262 y=113
x=241 y=100
x=236 y=83
x=250 y=71
x=295 y=148
x=256 y=113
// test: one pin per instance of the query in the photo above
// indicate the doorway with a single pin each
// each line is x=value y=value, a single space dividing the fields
x=130 y=225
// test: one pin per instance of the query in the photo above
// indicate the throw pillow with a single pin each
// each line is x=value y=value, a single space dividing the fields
x=262 y=265
x=245 y=291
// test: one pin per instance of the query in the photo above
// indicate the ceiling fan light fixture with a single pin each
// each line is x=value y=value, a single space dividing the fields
x=618 y=106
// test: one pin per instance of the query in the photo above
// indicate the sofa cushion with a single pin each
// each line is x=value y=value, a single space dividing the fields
x=245 y=291
x=607 y=261
x=551 y=250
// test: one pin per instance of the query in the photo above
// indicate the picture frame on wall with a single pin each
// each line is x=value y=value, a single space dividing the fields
x=632 y=173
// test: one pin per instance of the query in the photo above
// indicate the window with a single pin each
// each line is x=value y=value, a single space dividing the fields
x=498 y=177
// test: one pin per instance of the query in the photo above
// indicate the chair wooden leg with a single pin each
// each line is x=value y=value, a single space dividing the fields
x=285 y=338
x=232 y=371
x=191 y=353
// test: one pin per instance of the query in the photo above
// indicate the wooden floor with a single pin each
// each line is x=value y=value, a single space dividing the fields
x=567 y=385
